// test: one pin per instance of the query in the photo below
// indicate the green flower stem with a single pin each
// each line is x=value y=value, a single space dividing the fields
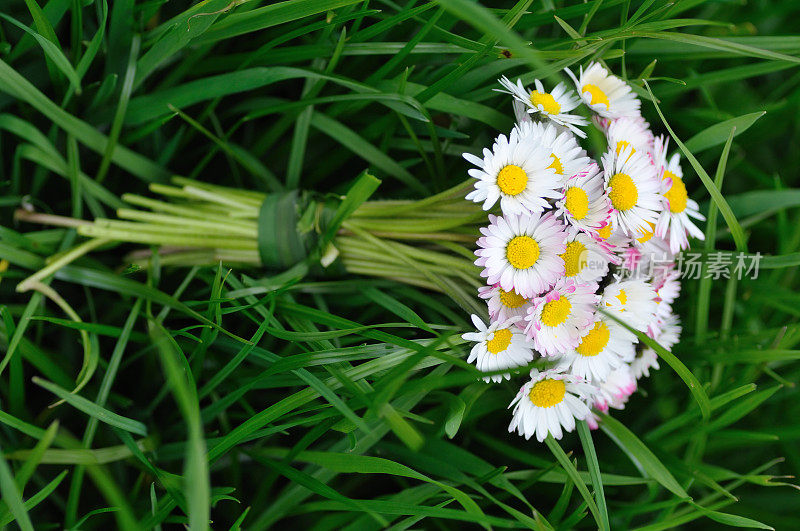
x=194 y=211
x=373 y=267
x=241 y=228
x=421 y=283
x=460 y=250
x=436 y=236
x=431 y=257
x=382 y=209
x=252 y=197
x=158 y=238
x=416 y=225
x=199 y=193
x=227 y=197
x=59 y=262
x=159 y=223
x=184 y=257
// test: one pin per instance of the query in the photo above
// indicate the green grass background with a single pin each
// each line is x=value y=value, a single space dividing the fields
x=354 y=409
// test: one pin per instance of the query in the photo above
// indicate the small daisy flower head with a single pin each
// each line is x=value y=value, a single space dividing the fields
x=603 y=347
x=668 y=336
x=646 y=251
x=516 y=173
x=613 y=239
x=568 y=157
x=504 y=304
x=557 y=319
x=585 y=259
x=521 y=112
x=553 y=105
x=615 y=390
x=583 y=202
x=675 y=221
x=549 y=402
x=633 y=132
x=521 y=252
x=667 y=286
x=605 y=93
x=632 y=301
x=499 y=346
x=633 y=188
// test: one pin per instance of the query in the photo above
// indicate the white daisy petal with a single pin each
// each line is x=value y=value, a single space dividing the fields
x=633 y=188
x=553 y=106
x=542 y=406
x=525 y=261
x=604 y=93
x=501 y=345
x=557 y=318
x=674 y=223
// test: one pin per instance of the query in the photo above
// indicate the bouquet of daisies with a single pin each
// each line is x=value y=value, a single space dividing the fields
x=578 y=256
x=581 y=254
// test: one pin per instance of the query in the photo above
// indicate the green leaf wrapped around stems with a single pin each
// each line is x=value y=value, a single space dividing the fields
x=200 y=223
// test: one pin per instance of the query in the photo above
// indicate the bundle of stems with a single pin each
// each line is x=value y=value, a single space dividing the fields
x=426 y=243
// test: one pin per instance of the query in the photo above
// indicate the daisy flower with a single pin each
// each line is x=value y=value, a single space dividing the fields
x=605 y=346
x=557 y=319
x=612 y=239
x=548 y=402
x=633 y=188
x=554 y=105
x=615 y=390
x=583 y=202
x=646 y=252
x=604 y=93
x=500 y=346
x=668 y=337
x=633 y=301
x=667 y=290
x=674 y=223
x=667 y=286
x=567 y=155
x=521 y=112
x=521 y=252
x=504 y=304
x=516 y=173
x=633 y=132
x=585 y=260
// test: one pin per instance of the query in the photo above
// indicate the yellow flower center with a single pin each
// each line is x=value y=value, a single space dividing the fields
x=605 y=232
x=556 y=312
x=511 y=299
x=522 y=252
x=623 y=191
x=500 y=341
x=577 y=202
x=556 y=165
x=574 y=258
x=546 y=100
x=646 y=235
x=595 y=341
x=598 y=96
x=547 y=393
x=623 y=297
x=676 y=195
x=622 y=144
x=512 y=179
